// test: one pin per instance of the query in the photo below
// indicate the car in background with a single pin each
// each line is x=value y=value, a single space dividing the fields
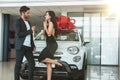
x=71 y=53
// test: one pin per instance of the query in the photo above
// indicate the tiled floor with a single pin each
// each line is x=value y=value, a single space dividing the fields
x=93 y=72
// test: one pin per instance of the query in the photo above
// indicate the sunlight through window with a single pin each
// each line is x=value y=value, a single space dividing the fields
x=114 y=7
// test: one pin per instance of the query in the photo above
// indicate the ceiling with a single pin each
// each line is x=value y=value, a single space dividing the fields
x=38 y=7
x=38 y=10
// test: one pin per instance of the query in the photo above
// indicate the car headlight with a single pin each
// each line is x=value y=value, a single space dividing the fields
x=73 y=50
x=76 y=58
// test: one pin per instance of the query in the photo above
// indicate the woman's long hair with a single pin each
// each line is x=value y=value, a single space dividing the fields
x=53 y=19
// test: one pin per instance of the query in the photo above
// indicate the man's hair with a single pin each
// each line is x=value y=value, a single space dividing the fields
x=24 y=9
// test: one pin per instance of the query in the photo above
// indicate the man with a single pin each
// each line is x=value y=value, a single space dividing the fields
x=24 y=43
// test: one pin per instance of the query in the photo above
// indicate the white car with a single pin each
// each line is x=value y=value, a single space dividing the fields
x=71 y=53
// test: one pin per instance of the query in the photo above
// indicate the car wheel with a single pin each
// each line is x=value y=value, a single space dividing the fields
x=24 y=76
x=82 y=72
x=84 y=69
x=22 y=71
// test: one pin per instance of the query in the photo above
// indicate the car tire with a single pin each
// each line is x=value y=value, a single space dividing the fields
x=22 y=71
x=24 y=77
x=84 y=68
x=83 y=71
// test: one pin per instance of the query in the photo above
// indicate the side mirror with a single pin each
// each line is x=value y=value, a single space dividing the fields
x=85 y=43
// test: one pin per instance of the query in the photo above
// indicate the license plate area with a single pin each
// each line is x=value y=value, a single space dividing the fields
x=38 y=64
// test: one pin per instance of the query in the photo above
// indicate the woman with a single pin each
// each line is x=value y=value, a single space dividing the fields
x=50 y=31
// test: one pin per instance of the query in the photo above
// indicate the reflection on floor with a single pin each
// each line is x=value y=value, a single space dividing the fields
x=102 y=73
x=93 y=72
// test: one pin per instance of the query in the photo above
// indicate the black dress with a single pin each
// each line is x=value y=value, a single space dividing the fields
x=49 y=50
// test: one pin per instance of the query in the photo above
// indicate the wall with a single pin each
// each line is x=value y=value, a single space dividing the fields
x=12 y=37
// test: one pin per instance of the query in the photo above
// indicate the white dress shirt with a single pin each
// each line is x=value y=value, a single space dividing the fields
x=27 y=41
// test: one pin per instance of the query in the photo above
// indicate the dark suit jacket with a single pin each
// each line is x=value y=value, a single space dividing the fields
x=21 y=32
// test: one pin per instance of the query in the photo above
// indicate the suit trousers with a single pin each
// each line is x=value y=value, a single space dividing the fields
x=27 y=52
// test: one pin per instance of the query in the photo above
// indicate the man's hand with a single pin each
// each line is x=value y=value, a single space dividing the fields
x=34 y=49
x=33 y=28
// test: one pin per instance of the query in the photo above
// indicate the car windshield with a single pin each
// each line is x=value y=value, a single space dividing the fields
x=68 y=36
x=63 y=36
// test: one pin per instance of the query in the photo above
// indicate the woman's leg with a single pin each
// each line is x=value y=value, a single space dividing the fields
x=51 y=61
x=49 y=71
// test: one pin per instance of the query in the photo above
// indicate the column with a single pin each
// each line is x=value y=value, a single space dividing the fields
x=6 y=24
x=1 y=37
x=119 y=48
